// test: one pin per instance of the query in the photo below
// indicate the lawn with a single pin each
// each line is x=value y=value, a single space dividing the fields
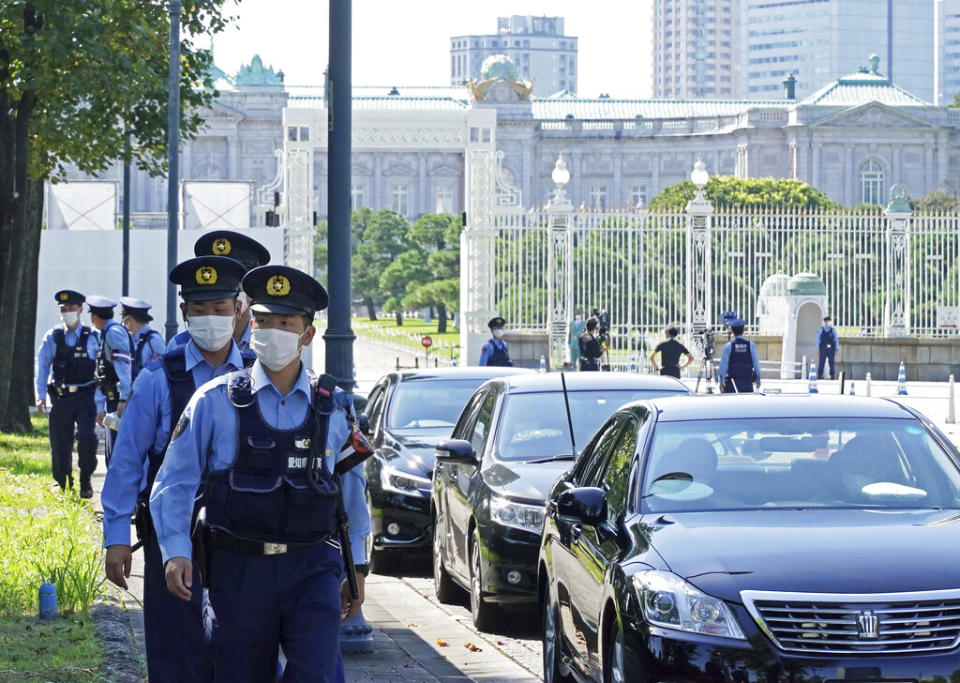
x=46 y=535
x=410 y=334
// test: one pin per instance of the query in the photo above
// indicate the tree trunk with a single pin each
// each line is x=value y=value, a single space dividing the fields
x=371 y=311
x=441 y=318
x=399 y=316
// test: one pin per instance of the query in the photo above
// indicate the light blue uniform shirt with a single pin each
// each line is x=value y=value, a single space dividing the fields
x=116 y=340
x=152 y=349
x=725 y=358
x=181 y=338
x=208 y=441
x=145 y=426
x=48 y=350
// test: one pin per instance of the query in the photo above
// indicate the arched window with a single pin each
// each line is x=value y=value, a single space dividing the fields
x=871 y=183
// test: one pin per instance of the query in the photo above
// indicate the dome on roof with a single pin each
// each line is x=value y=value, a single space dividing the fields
x=499 y=66
x=775 y=285
x=806 y=283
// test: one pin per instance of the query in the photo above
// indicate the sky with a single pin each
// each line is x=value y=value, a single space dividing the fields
x=406 y=42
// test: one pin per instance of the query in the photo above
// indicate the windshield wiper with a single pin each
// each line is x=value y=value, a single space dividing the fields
x=552 y=458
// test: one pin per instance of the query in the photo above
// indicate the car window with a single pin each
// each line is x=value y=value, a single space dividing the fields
x=375 y=403
x=481 y=428
x=469 y=416
x=428 y=402
x=606 y=442
x=615 y=476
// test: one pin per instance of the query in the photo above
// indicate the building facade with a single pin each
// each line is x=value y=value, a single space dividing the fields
x=537 y=45
x=948 y=50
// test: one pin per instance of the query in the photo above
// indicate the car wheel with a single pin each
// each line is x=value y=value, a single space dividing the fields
x=554 y=670
x=615 y=669
x=443 y=585
x=483 y=613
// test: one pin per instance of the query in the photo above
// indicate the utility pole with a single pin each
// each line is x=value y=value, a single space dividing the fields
x=173 y=162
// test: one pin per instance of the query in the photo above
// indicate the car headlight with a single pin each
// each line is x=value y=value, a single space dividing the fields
x=670 y=602
x=518 y=515
x=399 y=481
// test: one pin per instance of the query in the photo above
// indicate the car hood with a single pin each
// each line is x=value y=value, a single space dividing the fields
x=825 y=551
x=529 y=482
x=412 y=450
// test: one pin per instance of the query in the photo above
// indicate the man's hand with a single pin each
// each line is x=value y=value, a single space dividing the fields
x=121 y=406
x=100 y=417
x=179 y=575
x=41 y=406
x=118 y=562
x=348 y=606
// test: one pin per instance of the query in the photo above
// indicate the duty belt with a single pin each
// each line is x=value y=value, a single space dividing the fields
x=218 y=538
x=63 y=390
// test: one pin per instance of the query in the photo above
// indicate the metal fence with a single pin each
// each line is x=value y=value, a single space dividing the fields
x=884 y=274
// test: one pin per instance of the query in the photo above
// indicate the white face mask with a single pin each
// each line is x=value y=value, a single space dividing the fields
x=210 y=332
x=276 y=349
x=498 y=333
x=69 y=318
x=578 y=317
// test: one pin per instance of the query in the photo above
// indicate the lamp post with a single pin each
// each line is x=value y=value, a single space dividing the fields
x=173 y=163
x=699 y=258
x=559 y=265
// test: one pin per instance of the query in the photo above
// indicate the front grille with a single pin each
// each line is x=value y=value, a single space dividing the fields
x=870 y=624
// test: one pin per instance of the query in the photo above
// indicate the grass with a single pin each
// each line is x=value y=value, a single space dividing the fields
x=27 y=453
x=410 y=334
x=61 y=650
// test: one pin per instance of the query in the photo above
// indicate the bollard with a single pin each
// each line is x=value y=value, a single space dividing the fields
x=543 y=364
x=951 y=405
x=803 y=364
x=48 y=601
x=812 y=381
x=902 y=380
x=869 y=381
x=843 y=379
x=633 y=364
x=356 y=635
x=853 y=392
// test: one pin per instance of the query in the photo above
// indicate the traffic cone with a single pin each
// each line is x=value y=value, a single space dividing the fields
x=869 y=381
x=633 y=363
x=902 y=380
x=853 y=391
x=543 y=364
x=813 y=378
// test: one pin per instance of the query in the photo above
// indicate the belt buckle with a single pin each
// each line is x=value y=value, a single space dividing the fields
x=71 y=389
x=274 y=548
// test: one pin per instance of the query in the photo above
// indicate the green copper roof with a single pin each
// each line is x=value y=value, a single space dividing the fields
x=609 y=108
x=860 y=88
x=255 y=73
x=806 y=283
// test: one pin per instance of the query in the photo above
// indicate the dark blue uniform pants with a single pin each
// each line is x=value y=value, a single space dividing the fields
x=826 y=354
x=73 y=415
x=738 y=385
x=173 y=630
x=263 y=602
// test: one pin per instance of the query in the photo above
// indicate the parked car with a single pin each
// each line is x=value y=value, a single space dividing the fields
x=511 y=443
x=752 y=538
x=408 y=413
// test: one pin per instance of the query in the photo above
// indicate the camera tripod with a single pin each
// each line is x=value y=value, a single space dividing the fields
x=706 y=373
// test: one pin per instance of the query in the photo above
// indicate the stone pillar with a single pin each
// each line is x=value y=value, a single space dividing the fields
x=528 y=172
x=576 y=173
x=815 y=171
x=559 y=275
x=943 y=159
x=896 y=308
x=655 y=177
x=376 y=186
x=617 y=189
x=699 y=264
x=929 y=172
x=423 y=198
x=849 y=175
x=896 y=173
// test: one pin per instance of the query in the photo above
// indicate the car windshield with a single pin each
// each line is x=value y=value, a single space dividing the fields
x=430 y=402
x=535 y=425
x=749 y=463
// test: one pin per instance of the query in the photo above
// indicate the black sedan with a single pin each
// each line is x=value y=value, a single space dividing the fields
x=756 y=539
x=408 y=413
x=491 y=478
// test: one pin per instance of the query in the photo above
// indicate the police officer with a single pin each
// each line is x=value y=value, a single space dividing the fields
x=147 y=343
x=828 y=341
x=240 y=248
x=591 y=348
x=739 y=363
x=114 y=362
x=71 y=350
x=495 y=351
x=263 y=442
x=209 y=287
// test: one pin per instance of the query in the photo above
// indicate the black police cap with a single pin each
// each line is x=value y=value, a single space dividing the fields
x=69 y=297
x=285 y=290
x=206 y=278
x=234 y=245
x=496 y=322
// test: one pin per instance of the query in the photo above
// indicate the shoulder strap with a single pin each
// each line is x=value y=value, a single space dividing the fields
x=59 y=336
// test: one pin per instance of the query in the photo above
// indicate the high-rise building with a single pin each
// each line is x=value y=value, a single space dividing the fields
x=694 y=49
x=948 y=51
x=536 y=45
x=818 y=40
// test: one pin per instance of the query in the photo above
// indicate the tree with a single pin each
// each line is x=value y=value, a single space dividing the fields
x=730 y=191
x=378 y=238
x=937 y=202
x=441 y=234
x=404 y=274
x=76 y=80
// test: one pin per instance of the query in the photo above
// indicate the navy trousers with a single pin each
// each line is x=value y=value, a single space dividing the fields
x=738 y=385
x=826 y=354
x=263 y=602
x=173 y=630
x=73 y=416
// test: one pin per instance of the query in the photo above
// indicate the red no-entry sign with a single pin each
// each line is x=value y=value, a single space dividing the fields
x=427 y=342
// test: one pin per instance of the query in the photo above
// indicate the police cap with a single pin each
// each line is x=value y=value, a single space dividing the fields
x=827 y=318
x=234 y=245
x=284 y=290
x=496 y=322
x=101 y=305
x=135 y=306
x=736 y=322
x=207 y=278
x=69 y=297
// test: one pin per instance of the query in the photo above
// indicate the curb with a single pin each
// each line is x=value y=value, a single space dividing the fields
x=121 y=661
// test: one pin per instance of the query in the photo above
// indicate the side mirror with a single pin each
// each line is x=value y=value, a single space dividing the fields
x=587 y=504
x=363 y=422
x=456 y=452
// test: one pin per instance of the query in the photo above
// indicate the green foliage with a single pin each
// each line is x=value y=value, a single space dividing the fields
x=937 y=202
x=378 y=238
x=866 y=208
x=62 y=650
x=320 y=248
x=730 y=191
x=439 y=234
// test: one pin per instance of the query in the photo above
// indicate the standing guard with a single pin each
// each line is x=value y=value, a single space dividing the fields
x=739 y=363
x=148 y=345
x=277 y=493
x=70 y=349
x=114 y=363
x=495 y=351
x=209 y=287
x=828 y=341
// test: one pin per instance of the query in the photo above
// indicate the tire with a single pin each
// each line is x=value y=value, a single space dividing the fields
x=554 y=670
x=445 y=589
x=615 y=659
x=484 y=614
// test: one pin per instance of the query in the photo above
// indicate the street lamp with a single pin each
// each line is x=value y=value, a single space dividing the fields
x=699 y=177
x=173 y=162
x=560 y=177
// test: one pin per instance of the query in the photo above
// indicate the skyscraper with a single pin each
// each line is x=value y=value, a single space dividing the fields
x=948 y=50
x=536 y=45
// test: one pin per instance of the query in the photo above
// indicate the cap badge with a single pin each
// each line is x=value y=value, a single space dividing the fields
x=206 y=275
x=64 y=296
x=221 y=246
x=278 y=285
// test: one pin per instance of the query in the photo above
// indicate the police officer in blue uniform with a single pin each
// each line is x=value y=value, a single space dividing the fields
x=266 y=446
x=495 y=351
x=241 y=248
x=114 y=371
x=70 y=349
x=209 y=287
x=739 y=363
x=828 y=341
x=148 y=345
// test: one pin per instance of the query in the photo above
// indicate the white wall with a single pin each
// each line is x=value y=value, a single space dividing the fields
x=90 y=261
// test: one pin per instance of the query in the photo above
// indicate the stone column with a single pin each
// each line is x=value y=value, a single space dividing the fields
x=617 y=189
x=376 y=185
x=943 y=158
x=929 y=172
x=896 y=309
x=896 y=173
x=699 y=264
x=815 y=171
x=577 y=176
x=422 y=198
x=655 y=177
x=849 y=175
x=527 y=173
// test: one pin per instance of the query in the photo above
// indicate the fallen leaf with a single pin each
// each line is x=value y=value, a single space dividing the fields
x=499 y=642
x=441 y=642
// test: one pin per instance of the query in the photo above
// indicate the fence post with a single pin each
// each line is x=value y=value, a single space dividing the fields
x=699 y=258
x=559 y=265
x=896 y=308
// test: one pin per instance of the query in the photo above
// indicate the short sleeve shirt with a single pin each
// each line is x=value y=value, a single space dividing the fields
x=670 y=352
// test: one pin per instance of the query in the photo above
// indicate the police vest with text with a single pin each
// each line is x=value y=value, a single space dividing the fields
x=72 y=365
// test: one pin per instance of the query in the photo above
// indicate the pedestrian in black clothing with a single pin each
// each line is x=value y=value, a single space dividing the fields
x=591 y=349
x=670 y=353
